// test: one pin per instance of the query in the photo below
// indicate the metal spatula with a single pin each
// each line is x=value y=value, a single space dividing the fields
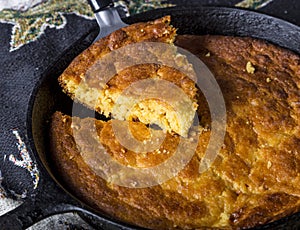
x=107 y=17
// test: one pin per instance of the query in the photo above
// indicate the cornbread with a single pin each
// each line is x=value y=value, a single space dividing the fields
x=99 y=76
x=255 y=178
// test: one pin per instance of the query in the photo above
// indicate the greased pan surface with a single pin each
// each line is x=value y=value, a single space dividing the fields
x=48 y=98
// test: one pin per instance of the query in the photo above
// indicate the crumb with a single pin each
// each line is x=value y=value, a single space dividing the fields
x=207 y=55
x=269 y=165
x=250 y=68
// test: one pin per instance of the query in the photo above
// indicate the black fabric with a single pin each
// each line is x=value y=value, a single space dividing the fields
x=20 y=71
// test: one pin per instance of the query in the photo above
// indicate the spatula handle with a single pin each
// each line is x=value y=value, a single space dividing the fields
x=98 y=5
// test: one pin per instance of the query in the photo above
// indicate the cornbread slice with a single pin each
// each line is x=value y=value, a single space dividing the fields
x=99 y=76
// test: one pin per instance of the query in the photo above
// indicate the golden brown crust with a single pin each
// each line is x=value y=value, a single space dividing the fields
x=152 y=71
x=261 y=152
x=78 y=177
x=156 y=31
x=255 y=178
x=271 y=206
x=162 y=207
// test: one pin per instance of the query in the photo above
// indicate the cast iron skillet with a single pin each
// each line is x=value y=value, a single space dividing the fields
x=52 y=197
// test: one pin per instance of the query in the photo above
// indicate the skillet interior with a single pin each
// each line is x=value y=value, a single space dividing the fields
x=48 y=98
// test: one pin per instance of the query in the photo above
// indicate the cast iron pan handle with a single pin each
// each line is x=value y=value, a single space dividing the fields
x=98 y=5
x=43 y=204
